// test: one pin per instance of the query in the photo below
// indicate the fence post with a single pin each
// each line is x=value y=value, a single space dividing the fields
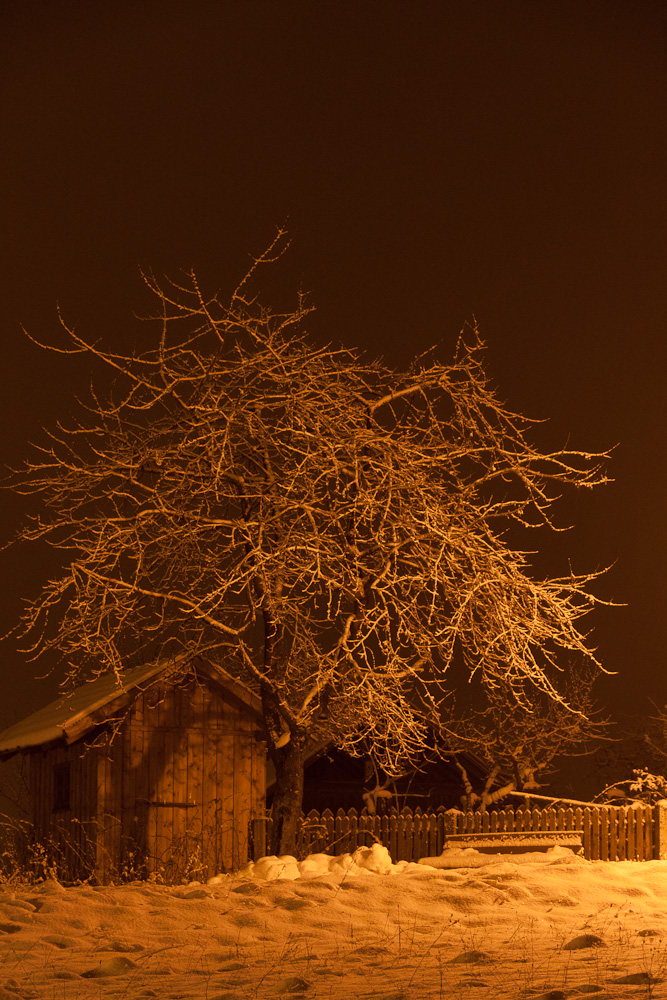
x=257 y=839
x=660 y=830
x=450 y=818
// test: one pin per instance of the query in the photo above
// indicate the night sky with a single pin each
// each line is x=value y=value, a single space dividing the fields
x=433 y=162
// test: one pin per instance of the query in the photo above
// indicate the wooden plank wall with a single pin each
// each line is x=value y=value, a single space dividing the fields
x=109 y=810
x=66 y=837
x=183 y=780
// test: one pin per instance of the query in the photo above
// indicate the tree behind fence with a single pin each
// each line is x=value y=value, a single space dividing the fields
x=610 y=833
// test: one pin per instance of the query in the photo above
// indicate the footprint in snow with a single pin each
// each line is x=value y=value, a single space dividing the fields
x=193 y=894
x=112 y=967
x=18 y=904
x=58 y=941
x=121 y=946
x=247 y=889
x=637 y=979
x=472 y=958
x=315 y=890
x=48 y=907
x=296 y=904
x=243 y=920
x=371 y=949
x=293 y=985
x=584 y=941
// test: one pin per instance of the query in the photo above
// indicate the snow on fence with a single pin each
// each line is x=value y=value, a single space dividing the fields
x=611 y=833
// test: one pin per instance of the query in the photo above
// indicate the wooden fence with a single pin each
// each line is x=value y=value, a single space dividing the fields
x=611 y=833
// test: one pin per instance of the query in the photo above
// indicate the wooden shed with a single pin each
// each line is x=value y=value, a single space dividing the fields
x=335 y=780
x=161 y=773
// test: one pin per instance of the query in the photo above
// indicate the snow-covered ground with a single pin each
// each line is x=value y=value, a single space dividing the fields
x=555 y=926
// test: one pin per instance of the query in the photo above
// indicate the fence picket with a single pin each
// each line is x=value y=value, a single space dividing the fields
x=616 y=834
x=631 y=828
x=339 y=832
x=649 y=834
x=402 y=852
x=353 y=831
x=638 y=818
x=436 y=839
x=551 y=819
x=385 y=832
x=417 y=845
x=639 y=834
x=645 y=836
x=594 y=819
x=604 y=835
x=424 y=834
x=425 y=842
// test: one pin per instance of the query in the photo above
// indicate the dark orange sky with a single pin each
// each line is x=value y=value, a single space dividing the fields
x=432 y=161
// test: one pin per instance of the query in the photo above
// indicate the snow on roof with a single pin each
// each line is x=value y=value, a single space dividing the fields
x=52 y=722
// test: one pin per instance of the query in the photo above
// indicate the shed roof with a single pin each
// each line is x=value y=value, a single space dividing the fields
x=74 y=714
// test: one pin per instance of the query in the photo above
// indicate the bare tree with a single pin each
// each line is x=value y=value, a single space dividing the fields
x=328 y=529
x=654 y=732
x=519 y=740
x=638 y=748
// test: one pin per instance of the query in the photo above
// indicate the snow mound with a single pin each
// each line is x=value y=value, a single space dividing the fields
x=376 y=860
x=468 y=857
x=373 y=860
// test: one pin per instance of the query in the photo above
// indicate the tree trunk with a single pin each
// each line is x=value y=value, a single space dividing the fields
x=288 y=795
